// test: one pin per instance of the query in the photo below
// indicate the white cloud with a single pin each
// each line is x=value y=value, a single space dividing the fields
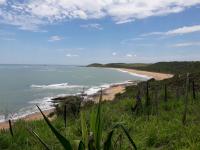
x=186 y=44
x=55 y=38
x=8 y=39
x=128 y=41
x=29 y=15
x=124 y=21
x=129 y=55
x=184 y=30
x=71 y=55
x=178 y=31
x=114 y=53
x=93 y=25
x=2 y=2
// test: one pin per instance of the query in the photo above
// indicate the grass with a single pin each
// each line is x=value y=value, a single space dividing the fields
x=164 y=131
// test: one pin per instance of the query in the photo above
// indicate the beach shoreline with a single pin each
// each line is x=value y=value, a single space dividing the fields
x=108 y=93
x=145 y=74
x=31 y=117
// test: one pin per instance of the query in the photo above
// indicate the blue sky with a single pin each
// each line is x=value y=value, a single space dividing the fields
x=104 y=31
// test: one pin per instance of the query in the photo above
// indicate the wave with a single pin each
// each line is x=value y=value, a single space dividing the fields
x=44 y=104
x=56 y=86
x=96 y=89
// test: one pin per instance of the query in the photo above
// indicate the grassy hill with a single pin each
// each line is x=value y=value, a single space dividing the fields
x=165 y=67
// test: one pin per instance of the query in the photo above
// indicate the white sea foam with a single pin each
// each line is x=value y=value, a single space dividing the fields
x=96 y=89
x=44 y=104
x=56 y=86
x=2 y=118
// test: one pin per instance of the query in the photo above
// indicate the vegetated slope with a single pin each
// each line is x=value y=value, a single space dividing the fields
x=118 y=65
x=173 y=67
x=164 y=67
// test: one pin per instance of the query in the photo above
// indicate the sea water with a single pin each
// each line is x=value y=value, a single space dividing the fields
x=24 y=86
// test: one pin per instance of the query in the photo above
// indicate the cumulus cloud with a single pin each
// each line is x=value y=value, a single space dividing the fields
x=55 y=38
x=178 y=31
x=186 y=44
x=93 y=25
x=28 y=15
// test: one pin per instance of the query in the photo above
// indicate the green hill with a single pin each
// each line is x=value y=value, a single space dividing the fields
x=164 y=67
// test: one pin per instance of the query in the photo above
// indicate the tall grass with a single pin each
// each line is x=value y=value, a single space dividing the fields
x=92 y=142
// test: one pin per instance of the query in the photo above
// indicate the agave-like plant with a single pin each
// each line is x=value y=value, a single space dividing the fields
x=92 y=142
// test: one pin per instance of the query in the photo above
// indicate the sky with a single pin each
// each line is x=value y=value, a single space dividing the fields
x=80 y=32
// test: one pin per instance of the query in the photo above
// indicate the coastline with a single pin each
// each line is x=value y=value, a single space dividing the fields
x=108 y=93
x=31 y=117
x=146 y=74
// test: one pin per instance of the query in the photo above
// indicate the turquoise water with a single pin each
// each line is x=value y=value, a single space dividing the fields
x=24 y=86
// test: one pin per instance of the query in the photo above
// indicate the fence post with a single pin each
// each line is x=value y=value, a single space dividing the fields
x=10 y=127
x=147 y=99
x=186 y=101
x=193 y=90
x=165 y=98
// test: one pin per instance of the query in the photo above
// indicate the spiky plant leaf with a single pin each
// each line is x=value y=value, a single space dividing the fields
x=84 y=128
x=64 y=142
x=37 y=136
x=108 y=142
x=65 y=115
x=98 y=125
x=91 y=143
x=81 y=146
x=129 y=137
x=92 y=121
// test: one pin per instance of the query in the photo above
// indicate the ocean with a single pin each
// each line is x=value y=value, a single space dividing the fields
x=24 y=86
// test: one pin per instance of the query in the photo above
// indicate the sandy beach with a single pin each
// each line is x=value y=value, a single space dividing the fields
x=147 y=74
x=108 y=94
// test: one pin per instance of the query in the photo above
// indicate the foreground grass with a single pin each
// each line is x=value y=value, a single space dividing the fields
x=162 y=131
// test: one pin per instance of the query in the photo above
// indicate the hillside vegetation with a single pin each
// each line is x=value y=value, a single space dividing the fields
x=164 y=67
